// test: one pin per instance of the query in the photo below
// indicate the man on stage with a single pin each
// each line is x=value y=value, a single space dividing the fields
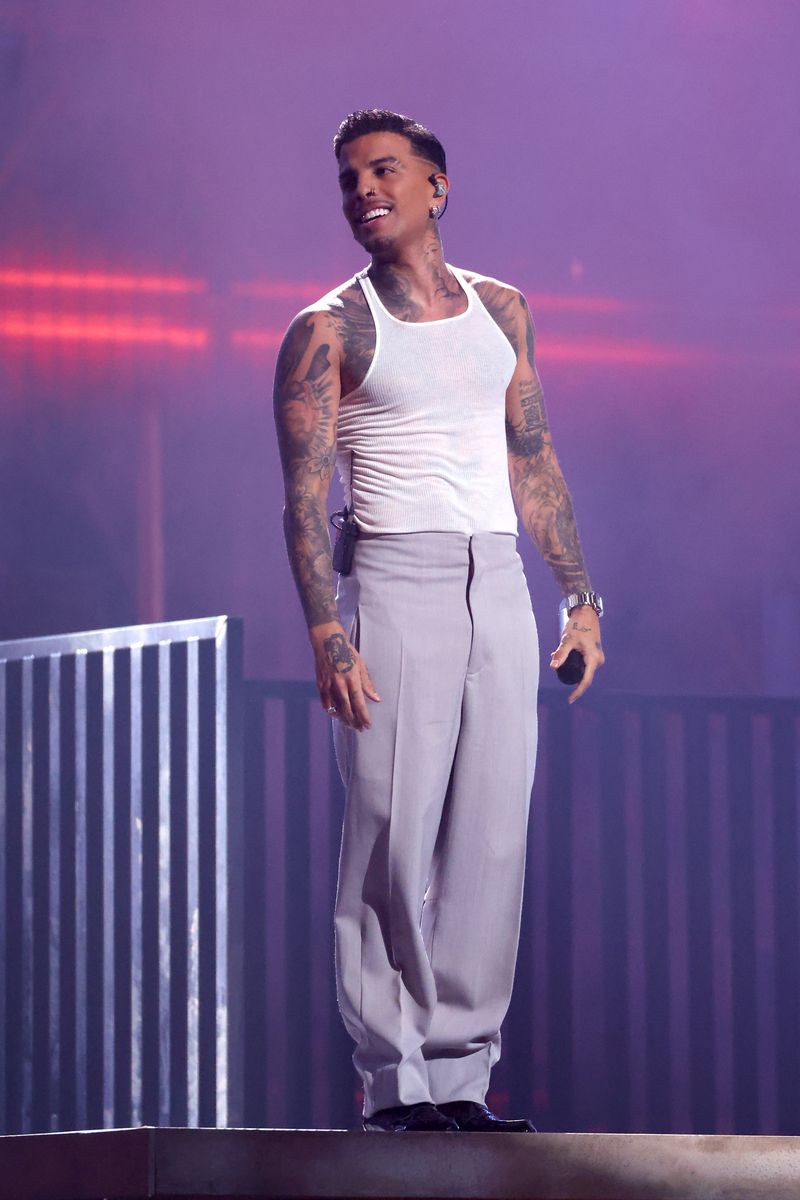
x=418 y=379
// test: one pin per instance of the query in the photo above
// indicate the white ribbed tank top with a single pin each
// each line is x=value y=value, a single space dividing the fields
x=421 y=443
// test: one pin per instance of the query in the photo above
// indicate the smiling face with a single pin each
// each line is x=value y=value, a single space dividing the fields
x=386 y=191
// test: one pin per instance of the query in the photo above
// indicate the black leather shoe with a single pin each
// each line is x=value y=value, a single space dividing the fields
x=477 y=1118
x=409 y=1118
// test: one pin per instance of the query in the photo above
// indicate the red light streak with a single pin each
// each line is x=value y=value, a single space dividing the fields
x=92 y=281
x=561 y=302
x=257 y=337
x=282 y=289
x=129 y=328
x=97 y=328
x=620 y=352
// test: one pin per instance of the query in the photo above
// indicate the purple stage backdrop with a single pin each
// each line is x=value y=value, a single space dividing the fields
x=168 y=200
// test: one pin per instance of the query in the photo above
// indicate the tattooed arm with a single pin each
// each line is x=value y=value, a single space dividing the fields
x=306 y=403
x=540 y=491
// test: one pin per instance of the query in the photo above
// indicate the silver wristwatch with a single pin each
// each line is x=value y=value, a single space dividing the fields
x=576 y=599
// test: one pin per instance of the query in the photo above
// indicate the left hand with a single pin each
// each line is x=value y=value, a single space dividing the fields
x=582 y=633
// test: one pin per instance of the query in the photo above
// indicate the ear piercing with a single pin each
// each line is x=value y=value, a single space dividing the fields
x=434 y=211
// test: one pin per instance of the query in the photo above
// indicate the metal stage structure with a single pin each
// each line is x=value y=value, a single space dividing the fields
x=169 y=846
x=256 y=1164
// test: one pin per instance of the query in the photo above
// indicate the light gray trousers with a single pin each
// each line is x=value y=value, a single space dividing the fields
x=437 y=796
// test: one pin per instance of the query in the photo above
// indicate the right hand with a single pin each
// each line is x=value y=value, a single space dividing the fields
x=343 y=680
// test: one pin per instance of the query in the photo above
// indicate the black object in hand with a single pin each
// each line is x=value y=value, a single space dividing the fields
x=572 y=668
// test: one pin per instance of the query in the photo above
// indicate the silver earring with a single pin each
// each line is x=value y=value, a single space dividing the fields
x=435 y=211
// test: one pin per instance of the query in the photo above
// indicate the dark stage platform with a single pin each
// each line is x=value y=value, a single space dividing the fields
x=132 y=1164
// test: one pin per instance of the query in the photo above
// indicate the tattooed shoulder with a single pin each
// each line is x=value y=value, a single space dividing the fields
x=306 y=398
x=355 y=329
x=505 y=303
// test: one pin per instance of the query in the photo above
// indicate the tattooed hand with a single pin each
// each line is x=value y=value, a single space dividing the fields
x=582 y=633
x=342 y=676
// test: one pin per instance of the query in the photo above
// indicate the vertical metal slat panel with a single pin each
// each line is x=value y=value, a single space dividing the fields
x=298 y=912
x=164 y=885
x=108 y=894
x=787 y=920
x=229 y=853
x=121 y=849
x=54 y=892
x=81 y=897
x=193 y=928
x=221 y=879
x=560 y=880
x=699 y=932
x=15 y=998
x=743 y=924
x=208 y=784
x=5 y=1115
x=150 y=882
x=136 y=868
x=257 y=1066
x=614 y=850
x=66 y=857
x=656 y=921
x=26 y=862
x=178 y=885
x=39 y=1117
x=207 y=883
x=121 y=861
x=93 y=913
x=126 y=851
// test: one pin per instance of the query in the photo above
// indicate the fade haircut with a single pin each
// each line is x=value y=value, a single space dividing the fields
x=424 y=144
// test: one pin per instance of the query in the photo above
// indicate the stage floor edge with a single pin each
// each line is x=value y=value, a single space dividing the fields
x=302 y=1164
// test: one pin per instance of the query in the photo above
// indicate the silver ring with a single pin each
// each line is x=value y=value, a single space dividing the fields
x=331 y=710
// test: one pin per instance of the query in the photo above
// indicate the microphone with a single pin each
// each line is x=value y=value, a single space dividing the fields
x=573 y=666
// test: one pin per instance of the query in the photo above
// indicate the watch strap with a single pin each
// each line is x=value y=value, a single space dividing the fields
x=576 y=599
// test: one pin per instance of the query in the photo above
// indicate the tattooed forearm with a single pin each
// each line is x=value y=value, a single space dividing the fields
x=305 y=418
x=308 y=544
x=538 y=485
x=545 y=507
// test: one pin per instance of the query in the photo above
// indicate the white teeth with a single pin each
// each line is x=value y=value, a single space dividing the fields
x=373 y=212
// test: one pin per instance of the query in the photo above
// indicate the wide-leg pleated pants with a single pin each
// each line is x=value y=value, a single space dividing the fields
x=437 y=796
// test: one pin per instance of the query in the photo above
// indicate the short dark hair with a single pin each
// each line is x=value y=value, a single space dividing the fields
x=378 y=120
